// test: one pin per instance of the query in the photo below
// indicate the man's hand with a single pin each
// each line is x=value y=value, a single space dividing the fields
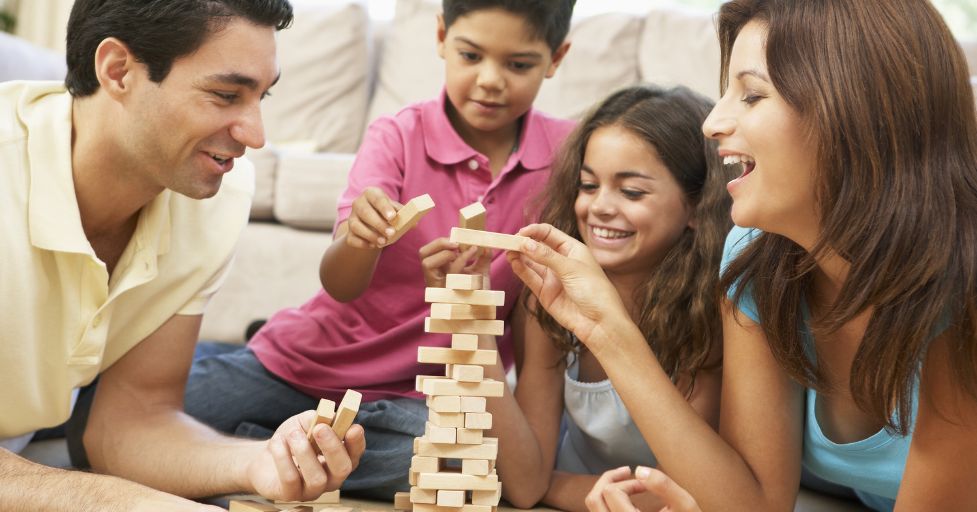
x=289 y=469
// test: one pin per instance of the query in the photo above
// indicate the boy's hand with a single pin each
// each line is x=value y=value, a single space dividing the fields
x=441 y=257
x=369 y=222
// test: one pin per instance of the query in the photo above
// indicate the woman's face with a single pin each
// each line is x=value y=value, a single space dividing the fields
x=757 y=130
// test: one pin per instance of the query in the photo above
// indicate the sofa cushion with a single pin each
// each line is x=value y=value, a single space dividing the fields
x=307 y=188
x=322 y=95
x=265 y=161
x=680 y=47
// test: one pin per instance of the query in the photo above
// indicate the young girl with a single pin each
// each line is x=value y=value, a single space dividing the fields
x=637 y=183
x=849 y=337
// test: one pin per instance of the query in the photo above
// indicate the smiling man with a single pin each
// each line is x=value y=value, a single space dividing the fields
x=121 y=200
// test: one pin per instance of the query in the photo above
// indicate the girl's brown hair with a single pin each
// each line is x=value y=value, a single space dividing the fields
x=678 y=301
x=883 y=90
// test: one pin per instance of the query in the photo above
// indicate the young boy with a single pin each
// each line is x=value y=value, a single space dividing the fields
x=480 y=140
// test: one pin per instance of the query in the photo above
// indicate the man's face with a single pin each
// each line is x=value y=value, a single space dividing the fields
x=186 y=131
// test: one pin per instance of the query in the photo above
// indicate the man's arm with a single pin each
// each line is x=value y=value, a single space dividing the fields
x=138 y=430
x=26 y=487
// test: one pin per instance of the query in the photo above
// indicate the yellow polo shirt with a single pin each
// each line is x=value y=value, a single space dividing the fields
x=62 y=319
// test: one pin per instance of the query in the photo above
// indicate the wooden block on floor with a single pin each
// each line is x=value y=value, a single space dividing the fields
x=486 y=450
x=488 y=239
x=473 y=297
x=422 y=464
x=468 y=436
x=465 y=341
x=487 y=498
x=324 y=413
x=457 y=482
x=475 y=467
x=442 y=435
x=441 y=355
x=437 y=325
x=465 y=508
x=251 y=506
x=412 y=477
x=402 y=501
x=299 y=508
x=463 y=281
x=472 y=216
x=346 y=412
x=472 y=403
x=454 y=499
x=467 y=372
x=478 y=420
x=409 y=215
x=487 y=387
x=443 y=404
x=418 y=495
x=443 y=311
x=447 y=419
x=326 y=498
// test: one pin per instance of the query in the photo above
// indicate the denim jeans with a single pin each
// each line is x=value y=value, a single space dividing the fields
x=231 y=391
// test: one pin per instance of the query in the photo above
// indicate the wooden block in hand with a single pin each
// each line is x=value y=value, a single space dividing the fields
x=346 y=413
x=402 y=501
x=487 y=387
x=409 y=215
x=251 y=506
x=463 y=281
x=479 y=420
x=492 y=327
x=325 y=413
x=441 y=355
x=488 y=239
x=467 y=372
x=472 y=216
x=462 y=312
x=454 y=499
x=473 y=297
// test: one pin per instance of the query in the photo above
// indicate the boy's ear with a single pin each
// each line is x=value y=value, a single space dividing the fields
x=557 y=58
x=442 y=33
x=114 y=67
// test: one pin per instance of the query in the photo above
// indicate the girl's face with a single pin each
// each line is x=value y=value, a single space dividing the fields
x=758 y=130
x=630 y=210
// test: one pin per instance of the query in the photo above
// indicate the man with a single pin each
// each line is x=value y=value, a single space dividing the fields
x=116 y=232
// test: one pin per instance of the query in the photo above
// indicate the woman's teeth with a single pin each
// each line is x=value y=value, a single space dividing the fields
x=610 y=233
x=737 y=159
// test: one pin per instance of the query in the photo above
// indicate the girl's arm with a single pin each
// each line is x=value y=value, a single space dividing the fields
x=528 y=422
x=942 y=460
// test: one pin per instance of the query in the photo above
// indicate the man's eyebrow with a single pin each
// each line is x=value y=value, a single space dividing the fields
x=522 y=55
x=239 y=79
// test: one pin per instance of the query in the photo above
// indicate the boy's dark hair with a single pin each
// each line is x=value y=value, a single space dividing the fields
x=157 y=31
x=550 y=19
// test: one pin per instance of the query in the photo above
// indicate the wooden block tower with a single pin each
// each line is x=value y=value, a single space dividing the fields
x=453 y=468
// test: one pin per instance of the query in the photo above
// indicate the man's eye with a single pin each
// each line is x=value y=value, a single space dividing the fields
x=225 y=96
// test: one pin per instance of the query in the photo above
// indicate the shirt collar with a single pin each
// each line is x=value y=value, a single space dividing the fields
x=443 y=144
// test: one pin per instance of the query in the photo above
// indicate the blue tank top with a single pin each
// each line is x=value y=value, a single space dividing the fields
x=872 y=467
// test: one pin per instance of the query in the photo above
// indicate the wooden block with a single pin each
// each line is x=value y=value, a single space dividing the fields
x=491 y=440
x=437 y=325
x=346 y=412
x=422 y=464
x=402 y=501
x=472 y=216
x=251 y=506
x=418 y=495
x=472 y=403
x=324 y=413
x=487 y=498
x=454 y=499
x=487 y=387
x=465 y=508
x=486 y=450
x=444 y=311
x=412 y=477
x=464 y=341
x=441 y=355
x=467 y=372
x=475 y=467
x=409 y=215
x=299 y=508
x=457 y=482
x=443 y=404
x=468 y=436
x=488 y=239
x=447 y=419
x=419 y=381
x=463 y=281
x=473 y=297
x=478 y=420
x=329 y=497
x=436 y=434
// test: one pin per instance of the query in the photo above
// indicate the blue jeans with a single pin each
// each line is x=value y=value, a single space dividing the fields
x=232 y=392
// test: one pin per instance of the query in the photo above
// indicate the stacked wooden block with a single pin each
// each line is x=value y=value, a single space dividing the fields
x=456 y=403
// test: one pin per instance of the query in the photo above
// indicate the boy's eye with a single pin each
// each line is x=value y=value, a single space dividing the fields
x=521 y=66
x=469 y=56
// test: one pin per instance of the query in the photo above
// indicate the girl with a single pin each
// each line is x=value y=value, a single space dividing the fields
x=850 y=330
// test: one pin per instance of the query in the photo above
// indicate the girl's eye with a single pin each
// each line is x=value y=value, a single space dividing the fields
x=587 y=187
x=631 y=193
x=750 y=99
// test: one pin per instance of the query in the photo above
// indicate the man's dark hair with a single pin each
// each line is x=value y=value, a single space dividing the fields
x=157 y=31
x=550 y=19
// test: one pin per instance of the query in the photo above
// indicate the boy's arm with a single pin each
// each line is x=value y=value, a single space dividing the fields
x=345 y=271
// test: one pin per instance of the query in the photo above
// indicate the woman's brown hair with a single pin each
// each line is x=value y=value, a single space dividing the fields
x=883 y=90
x=678 y=301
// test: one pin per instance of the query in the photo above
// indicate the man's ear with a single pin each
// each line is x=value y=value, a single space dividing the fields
x=442 y=33
x=114 y=66
x=557 y=58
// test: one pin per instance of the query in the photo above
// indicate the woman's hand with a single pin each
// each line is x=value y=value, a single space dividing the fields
x=616 y=491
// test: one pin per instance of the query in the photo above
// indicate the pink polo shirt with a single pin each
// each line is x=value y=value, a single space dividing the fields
x=370 y=344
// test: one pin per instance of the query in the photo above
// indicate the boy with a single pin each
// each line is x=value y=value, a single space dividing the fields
x=479 y=141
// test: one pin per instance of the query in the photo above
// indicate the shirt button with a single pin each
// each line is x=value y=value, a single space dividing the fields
x=473 y=164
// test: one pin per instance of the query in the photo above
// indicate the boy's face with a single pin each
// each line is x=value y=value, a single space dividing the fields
x=494 y=66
